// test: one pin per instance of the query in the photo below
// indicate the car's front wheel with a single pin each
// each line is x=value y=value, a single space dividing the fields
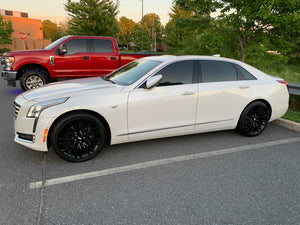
x=33 y=79
x=254 y=119
x=78 y=137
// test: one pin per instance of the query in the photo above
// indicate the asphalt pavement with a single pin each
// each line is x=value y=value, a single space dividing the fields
x=211 y=178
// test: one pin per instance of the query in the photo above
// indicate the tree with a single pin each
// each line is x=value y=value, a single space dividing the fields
x=266 y=24
x=51 y=30
x=93 y=17
x=127 y=27
x=137 y=34
x=152 y=23
x=6 y=31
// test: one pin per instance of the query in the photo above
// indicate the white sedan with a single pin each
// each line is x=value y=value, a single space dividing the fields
x=152 y=97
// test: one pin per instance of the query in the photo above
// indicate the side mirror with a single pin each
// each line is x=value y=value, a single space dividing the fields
x=62 y=49
x=153 y=81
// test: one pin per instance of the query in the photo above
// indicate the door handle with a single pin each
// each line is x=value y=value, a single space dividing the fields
x=244 y=87
x=188 y=93
x=113 y=58
x=86 y=57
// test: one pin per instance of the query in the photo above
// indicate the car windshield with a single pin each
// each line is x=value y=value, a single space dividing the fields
x=133 y=71
x=55 y=43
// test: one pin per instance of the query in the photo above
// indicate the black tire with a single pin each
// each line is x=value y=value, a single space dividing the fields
x=253 y=119
x=32 y=79
x=78 y=137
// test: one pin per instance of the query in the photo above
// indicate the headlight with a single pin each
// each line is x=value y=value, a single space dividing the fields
x=35 y=110
x=7 y=62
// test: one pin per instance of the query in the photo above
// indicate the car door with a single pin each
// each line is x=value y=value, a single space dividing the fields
x=167 y=109
x=76 y=62
x=224 y=91
x=104 y=58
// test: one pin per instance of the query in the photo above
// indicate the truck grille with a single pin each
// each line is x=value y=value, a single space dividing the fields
x=16 y=109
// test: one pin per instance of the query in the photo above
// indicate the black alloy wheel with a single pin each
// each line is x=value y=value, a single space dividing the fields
x=254 y=119
x=78 y=137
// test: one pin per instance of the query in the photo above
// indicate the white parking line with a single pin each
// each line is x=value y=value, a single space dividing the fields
x=154 y=163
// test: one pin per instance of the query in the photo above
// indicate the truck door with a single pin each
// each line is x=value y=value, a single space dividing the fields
x=104 y=56
x=76 y=62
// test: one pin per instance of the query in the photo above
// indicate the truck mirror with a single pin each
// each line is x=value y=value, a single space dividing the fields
x=62 y=49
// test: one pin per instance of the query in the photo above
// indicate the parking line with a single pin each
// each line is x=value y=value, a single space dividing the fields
x=149 y=164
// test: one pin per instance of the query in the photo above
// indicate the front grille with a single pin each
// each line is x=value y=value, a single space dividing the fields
x=16 y=109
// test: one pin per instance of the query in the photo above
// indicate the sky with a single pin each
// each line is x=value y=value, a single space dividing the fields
x=54 y=9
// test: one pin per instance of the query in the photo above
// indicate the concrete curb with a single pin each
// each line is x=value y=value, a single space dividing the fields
x=288 y=124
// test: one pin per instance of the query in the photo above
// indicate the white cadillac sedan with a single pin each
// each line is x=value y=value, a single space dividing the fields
x=152 y=97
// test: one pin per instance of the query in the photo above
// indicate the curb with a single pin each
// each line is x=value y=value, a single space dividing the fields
x=288 y=124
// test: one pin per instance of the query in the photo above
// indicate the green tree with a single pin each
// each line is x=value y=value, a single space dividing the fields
x=137 y=34
x=152 y=23
x=6 y=31
x=253 y=26
x=127 y=27
x=51 y=30
x=93 y=17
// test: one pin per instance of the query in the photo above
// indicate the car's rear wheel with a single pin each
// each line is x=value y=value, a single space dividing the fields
x=78 y=137
x=254 y=119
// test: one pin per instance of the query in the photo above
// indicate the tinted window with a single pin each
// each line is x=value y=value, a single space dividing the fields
x=244 y=74
x=103 y=45
x=132 y=71
x=214 y=71
x=177 y=73
x=76 y=45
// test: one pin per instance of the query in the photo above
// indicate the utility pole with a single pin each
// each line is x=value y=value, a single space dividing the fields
x=142 y=45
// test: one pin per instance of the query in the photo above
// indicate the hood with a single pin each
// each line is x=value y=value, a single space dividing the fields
x=38 y=51
x=70 y=88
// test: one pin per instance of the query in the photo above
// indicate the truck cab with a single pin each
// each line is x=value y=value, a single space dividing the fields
x=68 y=57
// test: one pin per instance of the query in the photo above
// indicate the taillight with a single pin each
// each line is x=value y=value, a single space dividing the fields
x=284 y=82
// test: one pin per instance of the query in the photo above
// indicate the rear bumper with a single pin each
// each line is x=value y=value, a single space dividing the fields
x=10 y=76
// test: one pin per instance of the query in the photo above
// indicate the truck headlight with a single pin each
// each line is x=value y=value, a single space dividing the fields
x=36 y=109
x=7 y=62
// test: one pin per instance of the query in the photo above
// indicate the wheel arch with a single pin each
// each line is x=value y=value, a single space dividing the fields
x=32 y=66
x=258 y=100
x=97 y=115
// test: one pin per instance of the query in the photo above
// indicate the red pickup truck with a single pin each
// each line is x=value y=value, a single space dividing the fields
x=68 y=57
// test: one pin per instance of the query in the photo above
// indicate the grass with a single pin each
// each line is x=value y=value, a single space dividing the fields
x=292 y=115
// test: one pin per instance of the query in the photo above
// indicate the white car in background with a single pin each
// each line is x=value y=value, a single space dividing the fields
x=152 y=97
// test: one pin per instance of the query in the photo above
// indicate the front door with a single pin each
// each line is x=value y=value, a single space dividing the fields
x=167 y=109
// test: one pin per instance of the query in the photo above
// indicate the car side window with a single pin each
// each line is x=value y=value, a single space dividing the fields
x=244 y=74
x=76 y=45
x=177 y=73
x=104 y=46
x=217 y=71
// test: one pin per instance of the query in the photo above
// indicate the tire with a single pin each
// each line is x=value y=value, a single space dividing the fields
x=253 y=119
x=78 y=137
x=32 y=79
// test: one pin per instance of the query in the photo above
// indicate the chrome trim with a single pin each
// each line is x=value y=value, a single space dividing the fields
x=167 y=128
x=16 y=109
x=146 y=131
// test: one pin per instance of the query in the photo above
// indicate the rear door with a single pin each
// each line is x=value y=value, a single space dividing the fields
x=104 y=57
x=224 y=91
x=76 y=62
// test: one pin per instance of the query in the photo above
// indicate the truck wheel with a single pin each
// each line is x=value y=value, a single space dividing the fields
x=33 y=79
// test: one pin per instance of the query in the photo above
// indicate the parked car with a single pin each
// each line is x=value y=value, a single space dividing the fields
x=68 y=57
x=153 y=97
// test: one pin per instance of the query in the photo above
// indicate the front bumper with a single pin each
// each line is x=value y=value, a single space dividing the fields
x=10 y=76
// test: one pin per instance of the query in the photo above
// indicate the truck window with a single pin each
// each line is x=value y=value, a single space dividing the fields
x=76 y=45
x=104 y=46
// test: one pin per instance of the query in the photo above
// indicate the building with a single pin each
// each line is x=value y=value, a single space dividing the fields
x=33 y=28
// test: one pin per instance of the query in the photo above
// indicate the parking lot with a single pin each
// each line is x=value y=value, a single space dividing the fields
x=211 y=178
